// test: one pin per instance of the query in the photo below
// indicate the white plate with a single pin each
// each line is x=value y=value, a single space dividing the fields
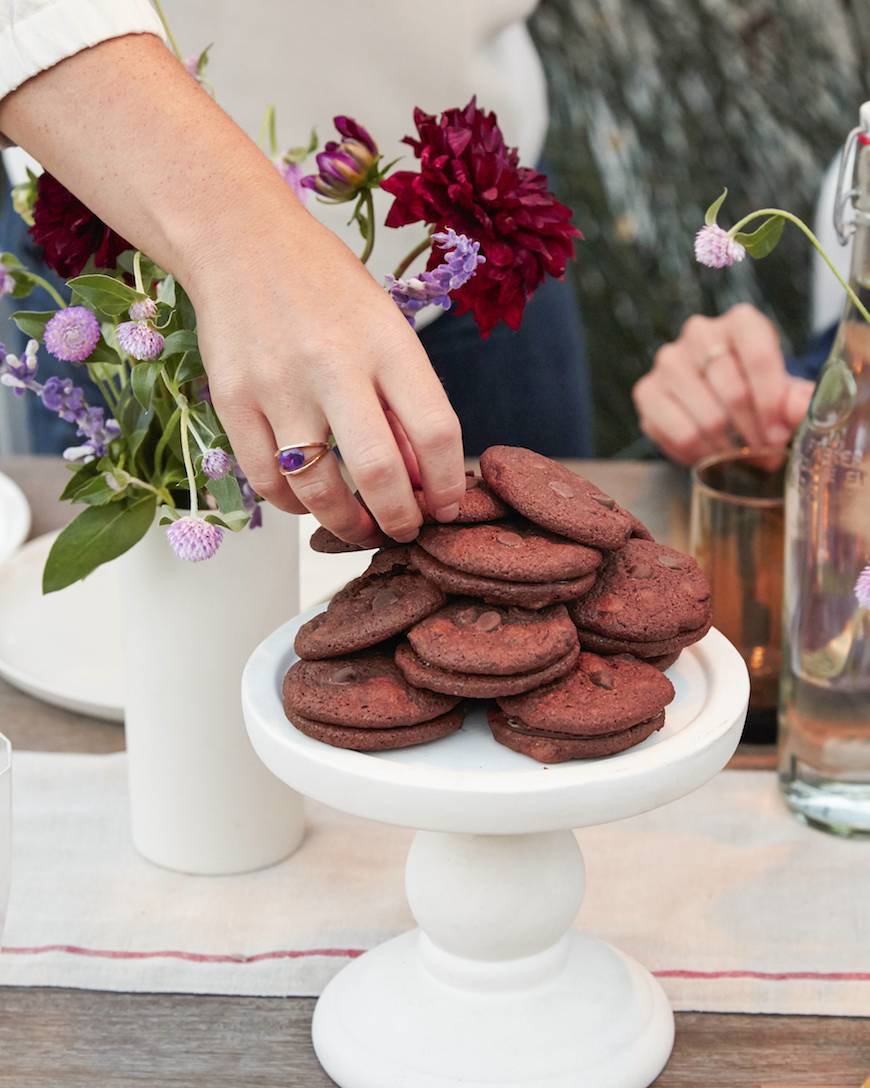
x=63 y=648
x=14 y=517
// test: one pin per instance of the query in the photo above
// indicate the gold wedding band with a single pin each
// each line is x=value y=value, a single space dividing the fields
x=301 y=456
x=711 y=355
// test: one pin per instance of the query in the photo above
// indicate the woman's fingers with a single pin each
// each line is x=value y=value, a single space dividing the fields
x=254 y=445
x=668 y=423
x=433 y=431
x=369 y=450
x=755 y=345
x=799 y=393
x=683 y=381
x=728 y=383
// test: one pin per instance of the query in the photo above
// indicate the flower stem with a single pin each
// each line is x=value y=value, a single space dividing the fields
x=46 y=286
x=403 y=266
x=185 y=452
x=799 y=223
x=137 y=271
x=160 y=492
x=172 y=41
x=370 y=232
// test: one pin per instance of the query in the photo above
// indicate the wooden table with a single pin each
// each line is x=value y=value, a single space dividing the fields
x=53 y=1038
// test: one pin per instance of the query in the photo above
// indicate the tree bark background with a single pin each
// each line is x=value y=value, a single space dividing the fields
x=655 y=106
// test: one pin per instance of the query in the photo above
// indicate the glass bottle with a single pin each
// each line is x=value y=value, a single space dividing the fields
x=824 y=714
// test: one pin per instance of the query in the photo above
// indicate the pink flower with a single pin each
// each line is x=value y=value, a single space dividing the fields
x=143 y=310
x=193 y=539
x=139 y=340
x=715 y=248
x=72 y=334
x=291 y=172
x=862 y=587
x=216 y=464
x=7 y=282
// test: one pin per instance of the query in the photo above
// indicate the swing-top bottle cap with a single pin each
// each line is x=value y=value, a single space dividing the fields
x=864 y=118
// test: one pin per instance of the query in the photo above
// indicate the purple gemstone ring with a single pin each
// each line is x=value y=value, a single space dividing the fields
x=295 y=459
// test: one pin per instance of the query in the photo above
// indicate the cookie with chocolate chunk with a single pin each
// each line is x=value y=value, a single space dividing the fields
x=380 y=740
x=469 y=636
x=600 y=696
x=514 y=551
x=369 y=609
x=327 y=543
x=646 y=592
x=551 y=495
x=497 y=590
x=469 y=685
x=366 y=691
x=649 y=650
x=553 y=748
x=477 y=504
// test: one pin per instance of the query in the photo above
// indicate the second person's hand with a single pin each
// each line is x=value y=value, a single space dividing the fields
x=721 y=384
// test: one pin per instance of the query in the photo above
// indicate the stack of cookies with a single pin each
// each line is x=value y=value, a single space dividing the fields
x=544 y=595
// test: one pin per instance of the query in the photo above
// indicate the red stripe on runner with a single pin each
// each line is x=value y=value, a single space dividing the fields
x=352 y=953
x=189 y=957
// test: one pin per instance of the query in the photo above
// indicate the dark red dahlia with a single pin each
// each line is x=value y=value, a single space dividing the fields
x=471 y=181
x=69 y=232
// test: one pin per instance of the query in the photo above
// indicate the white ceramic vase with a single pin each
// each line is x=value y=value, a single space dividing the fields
x=201 y=801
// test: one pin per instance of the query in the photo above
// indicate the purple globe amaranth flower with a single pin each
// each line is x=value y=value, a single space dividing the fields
x=216 y=464
x=143 y=310
x=345 y=167
x=193 y=538
x=139 y=340
x=432 y=288
x=72 y=334
x=715 y=248
x=7 y=281
x=862 y=587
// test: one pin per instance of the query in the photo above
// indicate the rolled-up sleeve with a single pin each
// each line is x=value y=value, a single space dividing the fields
x=37 y=34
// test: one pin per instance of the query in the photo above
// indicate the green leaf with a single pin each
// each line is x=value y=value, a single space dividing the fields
x=166 y=291
x=227 y=493
x=234 y=521
x=32 y=322
x=98 y=535
x=106 y=294
x=143 y=378
x=178 y=342
x=104 y=353
x=80 y=480
x=713 y=210
x=189 y=368
x=763 y=241
x=10 y=260
x=96 y=492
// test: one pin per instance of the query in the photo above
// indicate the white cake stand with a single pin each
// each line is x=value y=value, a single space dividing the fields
x=495 y=988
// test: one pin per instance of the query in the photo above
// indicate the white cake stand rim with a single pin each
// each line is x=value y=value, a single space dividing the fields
x=722 y=665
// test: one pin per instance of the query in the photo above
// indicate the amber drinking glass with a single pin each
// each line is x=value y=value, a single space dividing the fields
x=737 y=524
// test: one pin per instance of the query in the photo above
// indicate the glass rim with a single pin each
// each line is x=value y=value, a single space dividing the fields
x=730 y=456
x=5 y=754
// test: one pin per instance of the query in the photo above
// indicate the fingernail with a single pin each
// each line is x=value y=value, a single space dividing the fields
x=407 y=536
x=447 y=513
x=778 y=435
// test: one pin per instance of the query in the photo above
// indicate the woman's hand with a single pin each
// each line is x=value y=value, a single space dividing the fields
x=297 y=338
x=299 y=341
x=722 y=384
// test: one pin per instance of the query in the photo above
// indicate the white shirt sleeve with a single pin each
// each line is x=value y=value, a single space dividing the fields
x=37 y=34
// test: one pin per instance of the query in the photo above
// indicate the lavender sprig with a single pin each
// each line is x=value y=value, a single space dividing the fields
x=61 y=396
x=432 y=288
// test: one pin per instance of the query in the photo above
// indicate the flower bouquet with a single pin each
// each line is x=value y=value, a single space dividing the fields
x=152 y=445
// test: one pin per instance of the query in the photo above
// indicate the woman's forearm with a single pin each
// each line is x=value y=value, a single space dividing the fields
x=126 y=128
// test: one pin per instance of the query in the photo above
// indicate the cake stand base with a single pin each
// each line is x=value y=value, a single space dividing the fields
x=469 y=1001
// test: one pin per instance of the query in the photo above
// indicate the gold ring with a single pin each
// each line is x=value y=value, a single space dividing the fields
x=295 y=459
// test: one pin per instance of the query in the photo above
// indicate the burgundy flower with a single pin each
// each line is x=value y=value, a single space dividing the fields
x=70 y=233
x=471 y=181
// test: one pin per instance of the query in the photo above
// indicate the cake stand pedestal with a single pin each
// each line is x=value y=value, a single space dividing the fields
x=495 y=988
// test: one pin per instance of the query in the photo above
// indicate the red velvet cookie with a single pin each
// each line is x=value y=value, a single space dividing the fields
x=367 y=611
x=474 y=686
x=366 y=691
x=645 y=592
x=514 y=551
x=327 y=543
x=559 y=749
x=496 y=590
x=469 y=636
x=478 y=504
x=380 y=740
x=649 y=650
x=602 y=695
x=553 y=496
